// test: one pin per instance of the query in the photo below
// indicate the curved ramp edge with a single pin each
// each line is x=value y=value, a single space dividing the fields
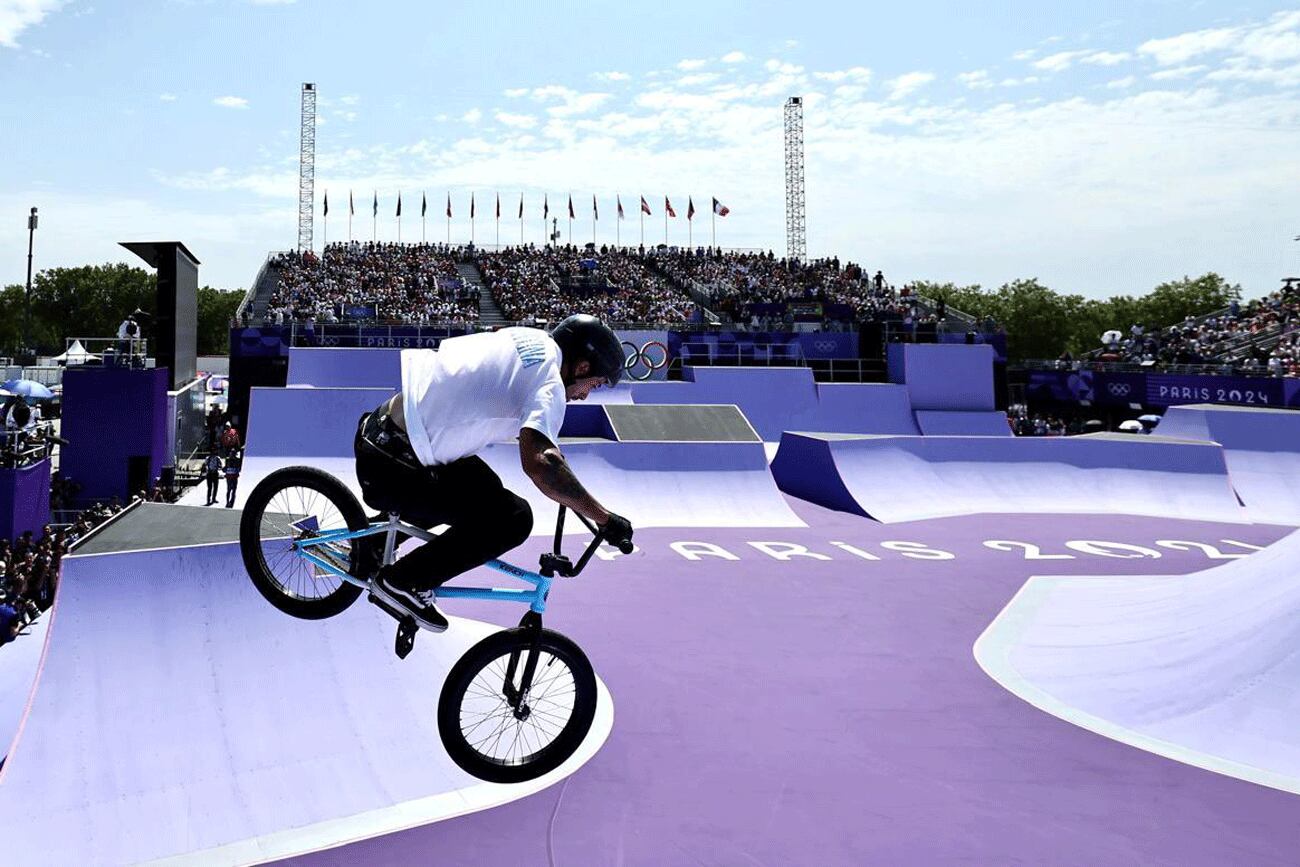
x=168 y=705
x=1201 y=668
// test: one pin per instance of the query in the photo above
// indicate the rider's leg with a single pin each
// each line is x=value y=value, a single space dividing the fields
x=486 y=521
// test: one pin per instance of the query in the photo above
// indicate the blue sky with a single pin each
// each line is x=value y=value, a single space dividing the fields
x=1101 y=147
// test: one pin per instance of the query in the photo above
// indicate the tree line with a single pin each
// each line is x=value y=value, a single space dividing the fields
x=1043 y=323
x=92 y=301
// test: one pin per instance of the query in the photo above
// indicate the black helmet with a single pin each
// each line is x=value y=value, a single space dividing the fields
x=586 y=337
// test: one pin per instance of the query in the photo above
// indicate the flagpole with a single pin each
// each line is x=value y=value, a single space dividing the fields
x=399 y=216
x=690 y=232
x=642 y=210
x=325 y=237
x=350 y=209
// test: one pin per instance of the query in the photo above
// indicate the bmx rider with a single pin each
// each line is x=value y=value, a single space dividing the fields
x=417 y=453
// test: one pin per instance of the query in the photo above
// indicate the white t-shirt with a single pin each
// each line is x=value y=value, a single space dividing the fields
x=480 y=389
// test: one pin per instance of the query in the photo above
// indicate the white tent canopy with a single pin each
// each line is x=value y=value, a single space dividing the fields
x=76 y=354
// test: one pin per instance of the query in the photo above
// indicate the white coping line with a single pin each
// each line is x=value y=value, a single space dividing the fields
x=150 y=550
x=992 y=653
x=403 y=816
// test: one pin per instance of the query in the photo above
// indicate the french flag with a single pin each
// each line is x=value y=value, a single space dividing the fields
x=720 y=209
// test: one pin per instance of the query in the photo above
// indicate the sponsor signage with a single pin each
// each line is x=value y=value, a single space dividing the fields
x=1160 y=389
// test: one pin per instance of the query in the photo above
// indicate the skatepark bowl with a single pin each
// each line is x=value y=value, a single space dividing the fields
x=861 y=626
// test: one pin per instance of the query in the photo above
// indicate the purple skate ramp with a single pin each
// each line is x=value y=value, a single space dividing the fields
x=778 y=399
x=1262 y=447
x=1201 y=668
x=935 y=422
x=944 y=376
x=20 y=663
x=895 y=479
x=180 y=714
x=345 y=368
x=307 y=422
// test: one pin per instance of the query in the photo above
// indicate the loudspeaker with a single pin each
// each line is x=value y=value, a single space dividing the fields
x=174 y=333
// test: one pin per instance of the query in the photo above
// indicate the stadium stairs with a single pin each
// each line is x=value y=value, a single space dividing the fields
x=489 y=314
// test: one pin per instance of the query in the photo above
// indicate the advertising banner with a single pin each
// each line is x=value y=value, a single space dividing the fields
x=1159 y=389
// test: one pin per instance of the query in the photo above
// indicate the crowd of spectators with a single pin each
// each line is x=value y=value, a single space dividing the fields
x=29 y=566
x=409 y=284
x=1231 y=339
x=539 y=285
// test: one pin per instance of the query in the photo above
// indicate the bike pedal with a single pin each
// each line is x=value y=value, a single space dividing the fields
x=405 y=640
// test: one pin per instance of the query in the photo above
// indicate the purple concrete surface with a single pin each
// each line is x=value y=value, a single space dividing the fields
x=937 y=422
x=178 y=713
x=306 y=422
x=345 y=368
x=779 y=399
x=896 y=479
x=20 y=662
x=944 y=376
x=1262 y=448
x=830 y=712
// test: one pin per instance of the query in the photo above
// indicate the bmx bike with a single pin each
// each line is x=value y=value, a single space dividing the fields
x=515 y=706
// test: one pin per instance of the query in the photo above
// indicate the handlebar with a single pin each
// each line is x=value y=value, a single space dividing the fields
x=558 y=563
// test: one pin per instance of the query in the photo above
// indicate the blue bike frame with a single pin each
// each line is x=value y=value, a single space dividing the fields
x=535 y=598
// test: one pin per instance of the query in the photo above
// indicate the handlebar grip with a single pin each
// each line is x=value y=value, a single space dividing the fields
x=626 y=547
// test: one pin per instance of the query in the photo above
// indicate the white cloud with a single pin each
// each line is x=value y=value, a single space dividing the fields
x=1122 y=83
x=609 y=76
x=571 y=101
x=1025 y=54
x=167 y=97
x=908 y=83
x=516 y=92
x=1018 y=82
x=518 y=121
x=349 y=100
x=733 y=57
x=1182 y=48
x=17 y=15
x=977 y=79
x=472 y=116
x=856 y=74
x=1059 y=61
x=697 y=79
x=230 y=102
x=1177 y=72
x=688 y=65
x=1106 y=58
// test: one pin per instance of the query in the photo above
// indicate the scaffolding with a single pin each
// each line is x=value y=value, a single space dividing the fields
x=796 y=241
x=307 y=167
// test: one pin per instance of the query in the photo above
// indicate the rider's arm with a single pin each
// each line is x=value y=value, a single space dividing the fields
x=551 y=473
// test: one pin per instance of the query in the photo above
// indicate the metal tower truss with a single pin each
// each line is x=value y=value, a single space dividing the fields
x=796 y=241
x=307 y=167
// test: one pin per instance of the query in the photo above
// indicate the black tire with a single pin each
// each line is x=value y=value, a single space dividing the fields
x=257 y=527
x=486 y=663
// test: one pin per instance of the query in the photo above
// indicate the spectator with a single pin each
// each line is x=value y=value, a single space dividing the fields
x=212 y=473
x=233 y=463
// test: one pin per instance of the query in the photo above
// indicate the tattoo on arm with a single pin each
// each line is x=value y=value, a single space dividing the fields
x=557 y=478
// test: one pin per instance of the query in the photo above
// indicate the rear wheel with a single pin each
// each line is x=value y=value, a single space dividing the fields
x=289 y=505
x=503 y=742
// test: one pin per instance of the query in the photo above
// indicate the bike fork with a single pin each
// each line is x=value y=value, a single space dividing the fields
x=532 y=621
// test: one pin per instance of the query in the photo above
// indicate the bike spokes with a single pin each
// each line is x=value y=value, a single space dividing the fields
x=508 y=730
x=294 y=515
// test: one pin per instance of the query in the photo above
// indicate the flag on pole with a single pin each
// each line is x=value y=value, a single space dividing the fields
x=645 y=209
x=399 y=204
x=720 y=209
x=424 y=205
x=375 y=209
x=521 y=206
x=619 y=199
x=668 y=208
x=546 y=207
x=327 y=203
x=570 y=207
x=449 y=206
x=351 y=208
x=595 y=214
x=471 y=206
x=498 y=206
x=690 y=208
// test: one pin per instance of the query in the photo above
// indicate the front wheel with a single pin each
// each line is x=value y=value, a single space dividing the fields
x=498 y=735
x=290 y=505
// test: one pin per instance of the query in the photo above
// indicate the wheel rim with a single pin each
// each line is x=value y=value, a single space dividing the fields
x=490 y=726
x=293 y=574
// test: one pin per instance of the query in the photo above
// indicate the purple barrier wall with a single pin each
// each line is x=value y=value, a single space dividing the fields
x=307 y=422
x=1233 y=427
x=944 y=377
x=935 y=422
x=586 y=420
x=1159 y=389
x=114 y=419
x=873 y=408
x=345 y=368
x=24 y=499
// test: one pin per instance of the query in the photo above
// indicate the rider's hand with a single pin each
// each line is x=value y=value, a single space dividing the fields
x=618 y=532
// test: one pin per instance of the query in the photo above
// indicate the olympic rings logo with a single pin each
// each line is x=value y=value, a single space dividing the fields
x=1118 y=389
x=644 y=358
